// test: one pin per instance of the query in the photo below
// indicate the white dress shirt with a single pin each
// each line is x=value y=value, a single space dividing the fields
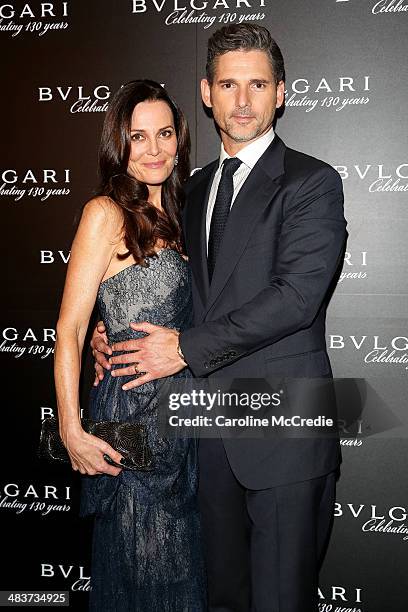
x=249 y=155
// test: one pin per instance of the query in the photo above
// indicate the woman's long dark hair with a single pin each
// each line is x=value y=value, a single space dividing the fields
x=143 y=223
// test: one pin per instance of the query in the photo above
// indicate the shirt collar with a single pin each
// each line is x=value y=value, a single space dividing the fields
x=250 y=154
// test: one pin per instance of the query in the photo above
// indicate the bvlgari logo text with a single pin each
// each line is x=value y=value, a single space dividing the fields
x=389 y=6
x=386 y=6
x=141 y=6
x=378 y=177
x=39 y=184
x=201 y=12
x=340 y=596
x=43 y=499
x=379 y=351
x=329 y=93
x=391 y=521
x=30 y=342
x=82 y=579
x=51 y=257
x=37 y=18
x=81 y=99
x=48 y=411
x=354 y=266
x=351 y=434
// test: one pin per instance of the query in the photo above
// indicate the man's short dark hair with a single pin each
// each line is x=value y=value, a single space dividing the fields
x=248 y=37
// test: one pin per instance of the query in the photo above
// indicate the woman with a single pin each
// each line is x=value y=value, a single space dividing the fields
x=127 y=256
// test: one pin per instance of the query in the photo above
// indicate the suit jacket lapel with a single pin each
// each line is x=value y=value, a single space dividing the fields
x=254 y=196
x=195 y=233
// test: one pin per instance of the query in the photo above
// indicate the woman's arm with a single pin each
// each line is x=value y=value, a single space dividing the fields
x=93 y=248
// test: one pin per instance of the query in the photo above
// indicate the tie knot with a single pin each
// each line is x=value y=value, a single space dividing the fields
x=230 y=165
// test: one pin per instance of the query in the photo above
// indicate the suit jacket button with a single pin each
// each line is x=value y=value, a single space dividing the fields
x=232 y=353
x=213 y=363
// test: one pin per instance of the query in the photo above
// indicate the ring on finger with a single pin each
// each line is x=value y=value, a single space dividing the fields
x=135 y=367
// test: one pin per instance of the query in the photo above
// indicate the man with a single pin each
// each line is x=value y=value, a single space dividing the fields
x=265 y=234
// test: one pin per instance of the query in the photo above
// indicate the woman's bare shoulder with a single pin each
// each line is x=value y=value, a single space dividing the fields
x=103 y=215
x=102 y=207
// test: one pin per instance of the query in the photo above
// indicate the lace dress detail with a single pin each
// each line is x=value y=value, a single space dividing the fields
x=146 y=551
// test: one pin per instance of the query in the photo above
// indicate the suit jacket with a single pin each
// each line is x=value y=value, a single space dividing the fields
x=264 y=313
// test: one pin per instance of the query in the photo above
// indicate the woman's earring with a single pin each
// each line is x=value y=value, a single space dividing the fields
x=176 y=160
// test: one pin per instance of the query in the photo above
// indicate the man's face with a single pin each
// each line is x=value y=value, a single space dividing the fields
x=243 y=97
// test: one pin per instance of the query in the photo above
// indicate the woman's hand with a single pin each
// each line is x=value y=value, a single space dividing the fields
x=86 y=453
x=100 y=348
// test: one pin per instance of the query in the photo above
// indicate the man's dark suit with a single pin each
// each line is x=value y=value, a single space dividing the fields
x=264 y=313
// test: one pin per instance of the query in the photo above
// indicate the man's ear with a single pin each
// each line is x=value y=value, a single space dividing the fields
x=280 y=94
x=206 y=92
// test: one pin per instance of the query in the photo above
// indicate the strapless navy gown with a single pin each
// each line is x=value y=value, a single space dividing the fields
x=146 y=550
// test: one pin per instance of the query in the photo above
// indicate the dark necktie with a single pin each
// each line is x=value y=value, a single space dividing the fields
x=221 y=210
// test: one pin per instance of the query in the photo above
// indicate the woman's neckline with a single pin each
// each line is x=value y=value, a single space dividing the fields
x=136 y=264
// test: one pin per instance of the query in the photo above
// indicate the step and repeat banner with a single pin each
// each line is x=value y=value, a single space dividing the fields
x=346 y=94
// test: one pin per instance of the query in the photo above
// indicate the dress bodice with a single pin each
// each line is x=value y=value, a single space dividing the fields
x=146 y=543
x=159 y=293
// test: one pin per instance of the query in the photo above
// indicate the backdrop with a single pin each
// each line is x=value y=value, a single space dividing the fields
x=346 y=87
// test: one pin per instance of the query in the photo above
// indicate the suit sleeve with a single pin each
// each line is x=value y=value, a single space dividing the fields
x=310 y=249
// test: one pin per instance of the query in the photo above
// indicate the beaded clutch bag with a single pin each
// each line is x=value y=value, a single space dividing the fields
x=129 y=439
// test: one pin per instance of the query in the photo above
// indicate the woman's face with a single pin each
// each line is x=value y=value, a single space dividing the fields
x=154 y=142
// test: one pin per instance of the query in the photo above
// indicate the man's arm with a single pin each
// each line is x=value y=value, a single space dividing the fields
x=310 y=247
